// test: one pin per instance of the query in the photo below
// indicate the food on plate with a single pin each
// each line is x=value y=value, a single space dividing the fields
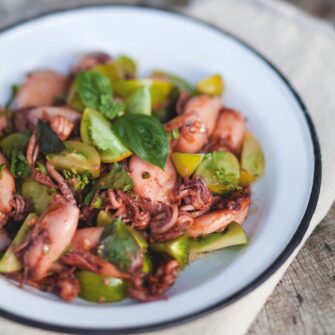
x=109 y=182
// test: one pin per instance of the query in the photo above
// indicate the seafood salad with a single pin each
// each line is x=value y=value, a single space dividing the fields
x=111 y=183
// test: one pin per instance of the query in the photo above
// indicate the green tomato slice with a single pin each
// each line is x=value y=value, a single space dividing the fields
x=77 y=156
x=96 y=288
x=39 y=195
x=220 y=171
x=252 y=157
x=139 y=102
x=96 y=130
x=212 y=85
x=9 y=262
x=176 y=81
x=159 y=90
x=178 y=249
x=14 y=142
x=73 y=99
x=233 y=235
x=186 y=163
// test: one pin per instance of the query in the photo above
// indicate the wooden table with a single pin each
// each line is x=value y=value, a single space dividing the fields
x=304 y=300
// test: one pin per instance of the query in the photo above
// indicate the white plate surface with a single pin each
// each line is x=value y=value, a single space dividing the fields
x=162 y=40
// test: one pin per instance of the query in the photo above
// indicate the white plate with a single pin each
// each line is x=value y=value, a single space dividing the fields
x=283 y=200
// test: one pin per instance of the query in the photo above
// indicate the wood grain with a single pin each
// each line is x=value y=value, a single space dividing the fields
x=304 y=300
x=322 y=8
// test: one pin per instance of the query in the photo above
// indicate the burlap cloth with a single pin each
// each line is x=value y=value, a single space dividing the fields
x=304 y=50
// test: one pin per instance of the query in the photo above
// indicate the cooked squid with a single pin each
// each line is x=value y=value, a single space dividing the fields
x=112 y=181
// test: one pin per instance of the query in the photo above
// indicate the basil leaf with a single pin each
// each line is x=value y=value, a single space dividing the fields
x=110 y=108
x=91 y=86
x=47 y=139
x=145 y=136
x=19 y=167
x=117 y=179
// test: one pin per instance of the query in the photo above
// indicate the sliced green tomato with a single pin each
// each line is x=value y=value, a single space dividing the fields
x=96 y=130
x=104 y=219
x=121 y=68
x=182 y=84
x=220 y=171
x=127 y=66
x=246 y=178
x=233 y=235
x=142 y=243
x=77 y=156
x=96 y=288
x=39 y=195
x=9 y=262
x=252 y=157
x=124 y=88
x=109 y=70
x=177 y=249
x=139 y=102
x=186 y=163
x=73 y=99
x=147 y=264
x=14 y=142
x=159 y=90
x=119 y=247
x=212 y=85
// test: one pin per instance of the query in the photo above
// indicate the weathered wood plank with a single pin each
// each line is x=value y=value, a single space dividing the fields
x=304 y=300
x=321 y=8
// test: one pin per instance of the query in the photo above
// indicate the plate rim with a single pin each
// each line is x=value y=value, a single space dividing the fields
x=281 y=258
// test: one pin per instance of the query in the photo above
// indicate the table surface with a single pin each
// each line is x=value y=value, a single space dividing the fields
x=304 y=300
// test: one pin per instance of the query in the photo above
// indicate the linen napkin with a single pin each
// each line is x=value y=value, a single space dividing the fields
x=304 y=50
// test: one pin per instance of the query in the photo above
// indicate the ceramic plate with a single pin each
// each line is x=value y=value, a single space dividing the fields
x=283 y=200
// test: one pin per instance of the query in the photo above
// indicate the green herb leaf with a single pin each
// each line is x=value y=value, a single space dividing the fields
x=91 y=85
x=145 y=136
x=117 y=179
x=47 y=139
x=14 y=90
x=111 y=108
x=89 y=196
x=97 y=203
x=19 y=167
x=78 y=181
x=42 y=167
x=2 y=167
x=14 y=142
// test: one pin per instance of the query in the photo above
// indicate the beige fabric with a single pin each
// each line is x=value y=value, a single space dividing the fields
x=304 y=49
